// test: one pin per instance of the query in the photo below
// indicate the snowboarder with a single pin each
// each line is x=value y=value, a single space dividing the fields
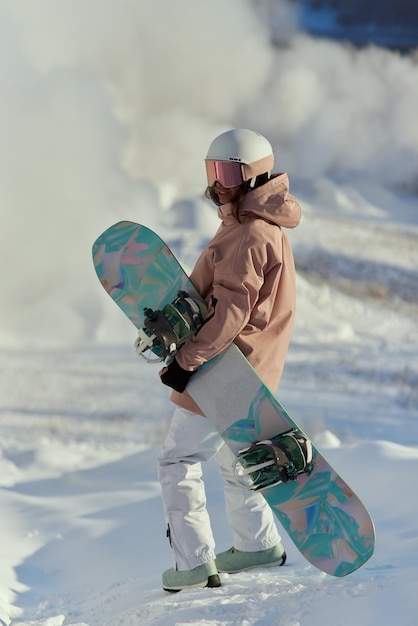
x=246 y=274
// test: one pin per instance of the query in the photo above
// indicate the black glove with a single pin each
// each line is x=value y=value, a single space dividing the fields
x=175 y=376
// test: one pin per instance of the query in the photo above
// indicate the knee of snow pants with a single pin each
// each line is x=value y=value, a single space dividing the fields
x=250 y=517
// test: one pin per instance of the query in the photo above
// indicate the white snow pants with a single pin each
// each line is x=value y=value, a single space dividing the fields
x=190 y=440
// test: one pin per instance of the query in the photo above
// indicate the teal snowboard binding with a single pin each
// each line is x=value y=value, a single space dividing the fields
x=279 y=460
x=166 y=330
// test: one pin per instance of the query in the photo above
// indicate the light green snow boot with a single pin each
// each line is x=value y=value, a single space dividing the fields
x=205 y=575
x=234 y=560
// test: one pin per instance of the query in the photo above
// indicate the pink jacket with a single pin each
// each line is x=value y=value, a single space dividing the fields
x=247 y=275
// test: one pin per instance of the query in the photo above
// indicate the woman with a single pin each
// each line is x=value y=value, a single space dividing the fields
x=246 y=274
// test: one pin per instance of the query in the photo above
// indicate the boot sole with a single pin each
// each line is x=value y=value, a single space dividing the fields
x=212 y=582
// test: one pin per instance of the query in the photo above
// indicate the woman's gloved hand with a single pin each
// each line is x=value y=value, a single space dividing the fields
x=175 y=376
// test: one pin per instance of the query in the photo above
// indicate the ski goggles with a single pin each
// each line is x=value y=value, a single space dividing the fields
x=228 y=173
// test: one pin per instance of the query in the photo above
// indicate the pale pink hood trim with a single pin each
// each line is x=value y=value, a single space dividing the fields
x=272 y=202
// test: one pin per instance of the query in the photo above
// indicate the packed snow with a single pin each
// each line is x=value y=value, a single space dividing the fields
x=107 y=110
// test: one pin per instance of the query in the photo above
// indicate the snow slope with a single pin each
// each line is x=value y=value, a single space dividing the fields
x=81 y=417
x=83 y=536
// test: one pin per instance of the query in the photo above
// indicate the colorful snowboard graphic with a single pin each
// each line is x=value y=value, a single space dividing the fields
x=321 y=514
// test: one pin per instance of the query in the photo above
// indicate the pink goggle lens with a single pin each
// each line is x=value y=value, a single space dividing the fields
x=228 y=173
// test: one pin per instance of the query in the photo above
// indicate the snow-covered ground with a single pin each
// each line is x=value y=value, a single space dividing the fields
x=92 y=136
x=83 y=535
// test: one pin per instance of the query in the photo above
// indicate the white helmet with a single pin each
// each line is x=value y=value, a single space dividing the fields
x=237 y=156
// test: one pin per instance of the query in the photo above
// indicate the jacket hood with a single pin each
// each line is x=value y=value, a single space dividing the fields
x=271 y=202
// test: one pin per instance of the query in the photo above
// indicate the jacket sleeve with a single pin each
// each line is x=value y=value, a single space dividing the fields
x=236 y=284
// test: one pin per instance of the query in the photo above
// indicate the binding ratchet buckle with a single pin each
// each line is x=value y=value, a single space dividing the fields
x=167 y=329
x=274 y=461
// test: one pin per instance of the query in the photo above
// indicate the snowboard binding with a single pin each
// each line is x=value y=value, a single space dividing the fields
x=279 y=460
x=166 y=330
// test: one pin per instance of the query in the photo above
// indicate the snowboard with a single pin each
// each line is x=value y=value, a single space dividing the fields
x=322 y=515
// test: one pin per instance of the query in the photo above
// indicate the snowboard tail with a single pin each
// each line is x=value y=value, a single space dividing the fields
x=322 y=515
